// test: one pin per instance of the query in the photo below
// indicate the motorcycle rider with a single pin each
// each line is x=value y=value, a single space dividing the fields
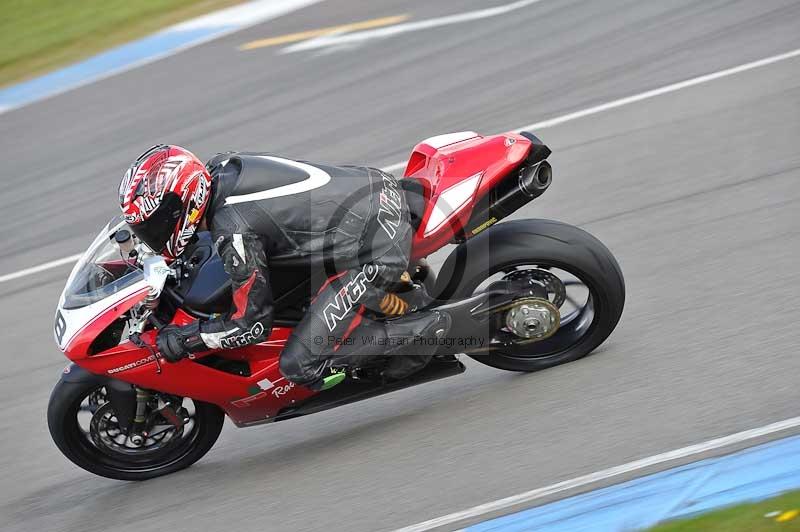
x=349 y=225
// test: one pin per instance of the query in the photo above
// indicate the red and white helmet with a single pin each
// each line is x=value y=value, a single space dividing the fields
x=163 y=197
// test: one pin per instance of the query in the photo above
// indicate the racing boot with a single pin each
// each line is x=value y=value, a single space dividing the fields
x=413 y=340
x=366 y=343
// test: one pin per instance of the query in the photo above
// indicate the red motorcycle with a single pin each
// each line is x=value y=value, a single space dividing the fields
x=524 y=295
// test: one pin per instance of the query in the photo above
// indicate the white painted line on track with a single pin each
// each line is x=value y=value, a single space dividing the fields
x=361 y=36
x=662 y=90
x=535 y=126
x=40 y=268
x=533 y=495
x=244 y=15
x=395 y=166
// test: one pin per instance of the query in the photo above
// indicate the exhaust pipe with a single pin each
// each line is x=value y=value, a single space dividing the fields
x=516 y=190
x=534 y=180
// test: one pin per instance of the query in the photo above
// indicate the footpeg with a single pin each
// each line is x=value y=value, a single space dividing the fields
x=332 y=380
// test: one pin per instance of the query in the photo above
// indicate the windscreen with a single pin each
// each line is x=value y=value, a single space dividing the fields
x=102 y=271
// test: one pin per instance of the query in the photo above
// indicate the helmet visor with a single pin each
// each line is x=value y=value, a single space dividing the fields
x=159 y=227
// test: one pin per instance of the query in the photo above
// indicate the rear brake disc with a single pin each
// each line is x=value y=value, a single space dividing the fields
x=556 y=292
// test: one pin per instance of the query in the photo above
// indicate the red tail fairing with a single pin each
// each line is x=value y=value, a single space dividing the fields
x=456 y=171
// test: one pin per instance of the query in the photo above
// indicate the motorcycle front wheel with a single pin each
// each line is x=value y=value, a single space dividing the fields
x=582 y=276
x=85 y=428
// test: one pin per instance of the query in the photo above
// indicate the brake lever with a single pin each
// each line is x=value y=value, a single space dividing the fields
x=136 y=339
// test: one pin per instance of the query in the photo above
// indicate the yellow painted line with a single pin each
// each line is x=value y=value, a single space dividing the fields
x=787 y=516
x=310 y=34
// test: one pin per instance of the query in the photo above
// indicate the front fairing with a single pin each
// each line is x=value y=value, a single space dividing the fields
x=102 y=286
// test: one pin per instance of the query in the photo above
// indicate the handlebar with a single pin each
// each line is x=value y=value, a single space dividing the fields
x=157 y=323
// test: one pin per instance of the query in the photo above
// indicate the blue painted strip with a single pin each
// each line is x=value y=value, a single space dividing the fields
x=163 y=43
x=103 y=64
x=750 y=475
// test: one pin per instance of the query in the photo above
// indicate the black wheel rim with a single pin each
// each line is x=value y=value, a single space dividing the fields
x=156 y=453
x=577 y=322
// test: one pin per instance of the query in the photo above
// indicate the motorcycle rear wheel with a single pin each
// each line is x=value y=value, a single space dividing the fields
x=68 y=399
x=542 y=244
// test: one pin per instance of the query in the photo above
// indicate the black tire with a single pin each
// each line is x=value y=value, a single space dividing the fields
x=62 y=410
x=546 y=243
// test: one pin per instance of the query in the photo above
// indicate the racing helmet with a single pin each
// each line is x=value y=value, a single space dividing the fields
x=163 y=197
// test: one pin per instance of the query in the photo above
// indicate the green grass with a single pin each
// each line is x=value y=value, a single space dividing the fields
x=741 y=518
x=39 y=35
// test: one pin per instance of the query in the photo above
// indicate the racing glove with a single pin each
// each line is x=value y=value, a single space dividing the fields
x=176 y=342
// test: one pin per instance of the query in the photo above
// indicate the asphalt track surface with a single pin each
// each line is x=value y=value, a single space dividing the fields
x=696 y=192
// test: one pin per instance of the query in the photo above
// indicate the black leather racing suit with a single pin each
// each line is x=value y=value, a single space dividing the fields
x=267 y=210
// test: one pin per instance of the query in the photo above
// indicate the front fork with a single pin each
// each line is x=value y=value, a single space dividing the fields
x=137 y=431
x=139 y=427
